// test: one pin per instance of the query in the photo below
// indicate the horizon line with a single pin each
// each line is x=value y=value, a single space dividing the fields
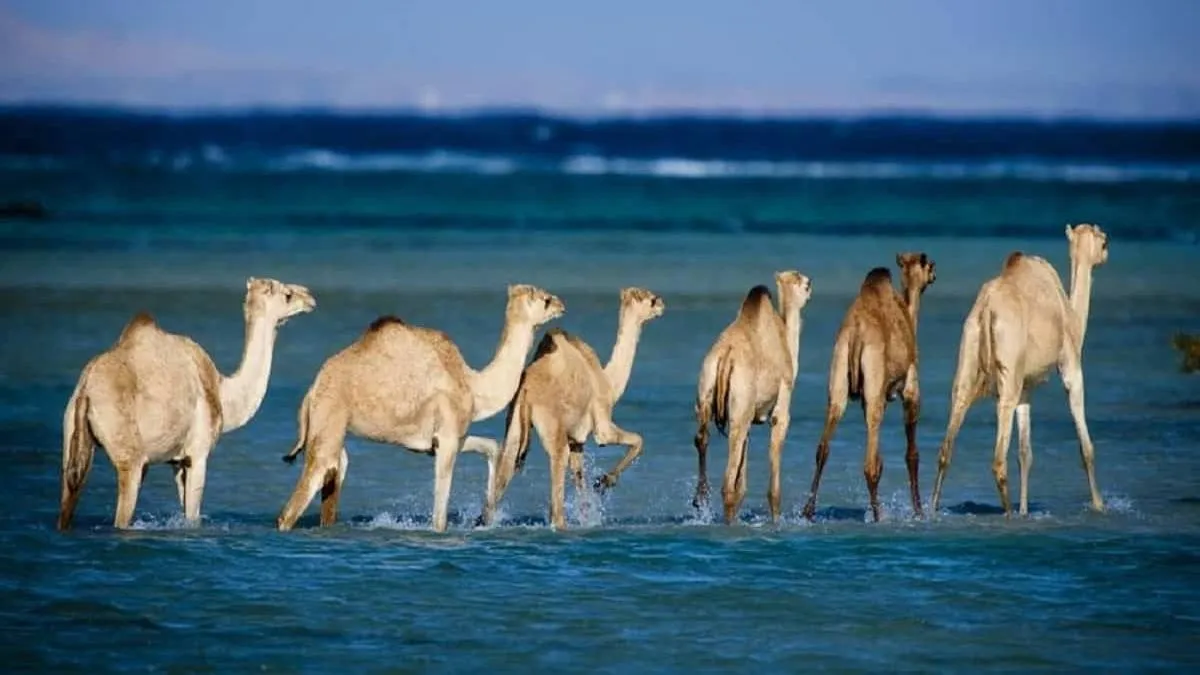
x=567 y=113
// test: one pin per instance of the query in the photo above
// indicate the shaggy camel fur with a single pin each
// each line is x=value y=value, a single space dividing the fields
x=410 y=386
x=156 y=397
x=874 y=358
x=1022 y=325
x=566 y=395
x=747 y=379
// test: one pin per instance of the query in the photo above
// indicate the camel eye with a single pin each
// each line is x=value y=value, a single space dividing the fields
x=547 y=302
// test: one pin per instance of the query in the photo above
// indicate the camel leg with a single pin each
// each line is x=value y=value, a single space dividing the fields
x=700 y=499
x=129 y=482
x=179 y=468
x=958 y=413
x=490 y=449
x=834 y=411
x=912 y=413
x=331 y=490
x=733 y=490
x=873 y=406
x=964 y=392
x=611 y=433
x=197 y=473
x=575 y=465
x=559 y=456
x=319 y=459
x=1025 y=456
x=1072 y=375
x=780 y=420
x=1006 y=403
x=446 y=454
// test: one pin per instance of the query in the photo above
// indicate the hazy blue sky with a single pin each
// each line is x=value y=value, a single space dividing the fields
x=1105 y=57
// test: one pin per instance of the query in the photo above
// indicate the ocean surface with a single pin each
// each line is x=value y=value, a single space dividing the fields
x=429 y=218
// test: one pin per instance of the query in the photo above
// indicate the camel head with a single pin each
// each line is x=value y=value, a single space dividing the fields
x=644 y=304
x=1088 y=244
x=277 y=300
x=531 y=305
x=916 y=270
x=794 y=288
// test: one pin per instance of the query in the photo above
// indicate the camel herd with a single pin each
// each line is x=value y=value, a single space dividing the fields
x=156 y=397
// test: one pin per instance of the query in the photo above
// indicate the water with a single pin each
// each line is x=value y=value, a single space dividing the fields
x=640 y=582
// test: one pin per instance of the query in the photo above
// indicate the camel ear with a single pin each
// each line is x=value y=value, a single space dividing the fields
x=250 y=282
x=904 y=259
x=1070 y=231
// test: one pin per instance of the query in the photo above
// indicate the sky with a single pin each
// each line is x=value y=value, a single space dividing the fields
x=1104 y=58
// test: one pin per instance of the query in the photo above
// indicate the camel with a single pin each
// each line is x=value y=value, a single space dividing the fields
x=409 y=386
x=746 y=379
x=567 y=395
x=156 y=397
x=874 y=358
x=1021 y=325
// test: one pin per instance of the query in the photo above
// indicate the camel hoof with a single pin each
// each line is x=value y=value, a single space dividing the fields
x=604 y=482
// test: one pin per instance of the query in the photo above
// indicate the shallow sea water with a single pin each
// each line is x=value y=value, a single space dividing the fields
x=640 y=582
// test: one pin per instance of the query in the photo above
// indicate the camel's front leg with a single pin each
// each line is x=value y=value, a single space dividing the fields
x=197 y=472
x=575 y=465
x=1071 y=372
x=445 y=453
x=558 y=485
x=912 y=413
x=780 y=420
x=491 y=450
x=180 y=469
x=611 y=433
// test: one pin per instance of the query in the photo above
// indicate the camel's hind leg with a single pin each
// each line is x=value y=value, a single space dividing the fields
x=780 y=420
x=331 y=490
x=79 y=448
x=129 y=482
x=575 y=465
x=834 y=411
x=958 y=413
x=967 y=388
x=912 y=414
x=1025 y=447
x=700 y=498
x=445 y=455
x=320 y=458
x=1008 y=395
x=733 y=490
x=1071 y=371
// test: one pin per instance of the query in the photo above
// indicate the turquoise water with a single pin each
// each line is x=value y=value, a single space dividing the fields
x=640 y=582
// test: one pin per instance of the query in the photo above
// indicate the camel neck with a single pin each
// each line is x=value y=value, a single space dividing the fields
x=792 y=325
x=243 y=392
x=912 y=302
x=1081 y=295
x=620 y=363
x=493 y=387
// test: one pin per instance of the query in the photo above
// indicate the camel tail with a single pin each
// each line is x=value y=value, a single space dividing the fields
x=302 y=435
x=79 y=446
x=720 y=400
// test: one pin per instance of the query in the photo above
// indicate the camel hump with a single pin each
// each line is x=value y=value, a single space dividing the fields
x=548 y=345
x=383 y=322
x=880 y=276
x=139 y=323
x=756 y=300
x=1013 y=259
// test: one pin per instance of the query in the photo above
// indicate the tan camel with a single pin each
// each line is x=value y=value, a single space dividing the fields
x=1022 y=325
x=409 y=386
x=874 y=358
x=746 y=379
x=567 y=395
x=156 y=397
